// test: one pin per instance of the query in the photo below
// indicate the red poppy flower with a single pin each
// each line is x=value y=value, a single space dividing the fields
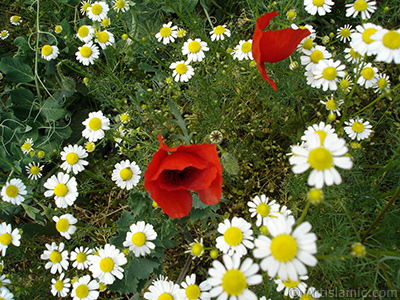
x=174 y=172
x=274 y=45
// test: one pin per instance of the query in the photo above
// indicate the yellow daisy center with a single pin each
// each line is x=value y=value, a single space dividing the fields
x=219 y=30
x=345 y=32
x=85 y=7
x=318 y=3
x=90 y=147
x=82 y=291
x=12 y=191
x=382 y=83
x=344 y=84
x=316 y=56
x=139 y=239
x=315 y=196
x=60 y=190
x=264 y=230
x=47 y=50
x=59 y=285
x=306 y=297
x=85 y=51
x=234 y=282
x=263 y=209
x=120 y=4
x=26 y=146
x=360 y=5
x=197 y=249
x=283 y=247
x=181 y=69
x=329 y=73
x=246 y=47
x=233 y=236
x=95 y=124
x=126 y=174
x=16 y=19
x=322 y=135
x=331 y=104
x=366 y=35
x=192 y=292
x=40 y=154
x=165 y=296
x=83 y=31
x=103 y=37
x=165 y=31
x=34 y=170
x=291 y=284
x=62 y=225
x=358 y=127
x=124 y=118
x=106 y=265
x=6 y=239
x=81 y=257
x=358 y=249
x=97 y=9
x=3 y=33
x=194 y=46
x=391 y=40
x=58 y=29
x=72 y=158
x=291 y=14
x=308 y=44
x=105 y=22
x=368 y=73
x=55 y=257
x=320 y=158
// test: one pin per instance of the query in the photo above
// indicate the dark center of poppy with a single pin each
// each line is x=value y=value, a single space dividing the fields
x=178 y=177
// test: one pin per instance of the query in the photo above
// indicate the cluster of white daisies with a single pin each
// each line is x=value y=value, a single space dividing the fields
x=14 y=20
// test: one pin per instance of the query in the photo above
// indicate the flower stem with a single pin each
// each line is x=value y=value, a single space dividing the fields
x=185 y=269
x=304 y=213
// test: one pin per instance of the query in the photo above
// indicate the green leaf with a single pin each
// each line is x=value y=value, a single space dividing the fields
x=34 y=213
x=140 y=204
x=23 y=97
x=22 y=43
x=142 y=267
x=52 y=110
x=16 y=70
x=66 y=28
x=147 y=68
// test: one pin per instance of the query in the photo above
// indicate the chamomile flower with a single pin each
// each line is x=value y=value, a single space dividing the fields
x=14 y=191
x=34 y=170
x=126 y=174
x=363 y=7
x=361 y=40
x=106 y=22
x=321 y=158
x=4 y=281
x=85 y=4
x=236 y=236
x=107 y=264
x=8 y=237
x=219 y=33
x=194 y=49
x=231 y=279
x=181 y=32
x=95 y=125
x=6 y=294
x=344 y=33
x=182 y=71
x=196 y=248
x=352 y=56
x=313 y=33
x=49 y=52
x=387 y=45
x=162 y=288
x=139 y=238
x=124 y=118
x=73 y=157
x=332 y=104
x=65 y=225
x=243 y=50
x=382 y=84
x=291 y=15
x=121 y=5
x=60 y=287
x=291 y=288
x=263 y=209
x=194 y=291
x=327 y=74
x=97 y=11
x=85 y=289
x=369 y=76
x=4 y=34
x=27 y=146
x=57 y=256
x=63 y=187
x=104 y=38
x=79 y=256
x=85 y=33
x=322 y=7
x=358 y=129
x=346 y=84
x=58 y=29
x=287 y=251
x=167 y=33
x=16 y=20
x=358 y=250
x=313 y=56
x=87 y=54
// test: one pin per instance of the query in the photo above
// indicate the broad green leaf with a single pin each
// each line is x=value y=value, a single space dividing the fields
x=22 y=43
x=52 y=110
x=16 y=70
x=142 y=267
x=23 y=97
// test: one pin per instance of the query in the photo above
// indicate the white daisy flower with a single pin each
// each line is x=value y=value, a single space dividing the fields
x=321 y=158
x=95 y=125
x=182 y=71
x=383 y=83
x=16 y=20
x=313 y=56
x=14 y=191
x=287 y=251
x=139 y=237
x=79 y=256
x=63 y=187
x=98 y=11
x=326 y=74
x=181 y=32
x=65 y=225
x=287 y=213
x=358 y=129
x=344 y=33
x=85 y=33
x=358 y=250
x=194 y=49
x=352 y=56
x=363 y=7
x=332 y=105
x=313 y=32
x=369 y=76
x=167 y=33
x=121 y=5
x=60 y=287
x=291 y=15
x=243 y=50
x=126 y=174
x=27 y=146
x=346 y=84
x=87 y=54
x=124 y=118
x=387 y=45
x=4 y=34
x=162 y=288
x=321 y=129
x=85 y=289
x=73 y=155
x=106 y=265
x=4 y=281
x=361 y=40
x=236 y=236
x=194 y=291
x=196 y=248
x=49 y=52
x=322 y=7
x=85 y=4
x=219 y=33
x=58 y=258
x=263 y=209
x=6 y=294
x=33 y=169
x=231 y=279
x=291 y=288
x=8 y=236
x=104 y=38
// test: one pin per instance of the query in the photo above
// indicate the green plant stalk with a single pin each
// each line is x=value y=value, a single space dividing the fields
x=389 y=282
x=304 y=213
x=36 y=51
x=184 y=270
